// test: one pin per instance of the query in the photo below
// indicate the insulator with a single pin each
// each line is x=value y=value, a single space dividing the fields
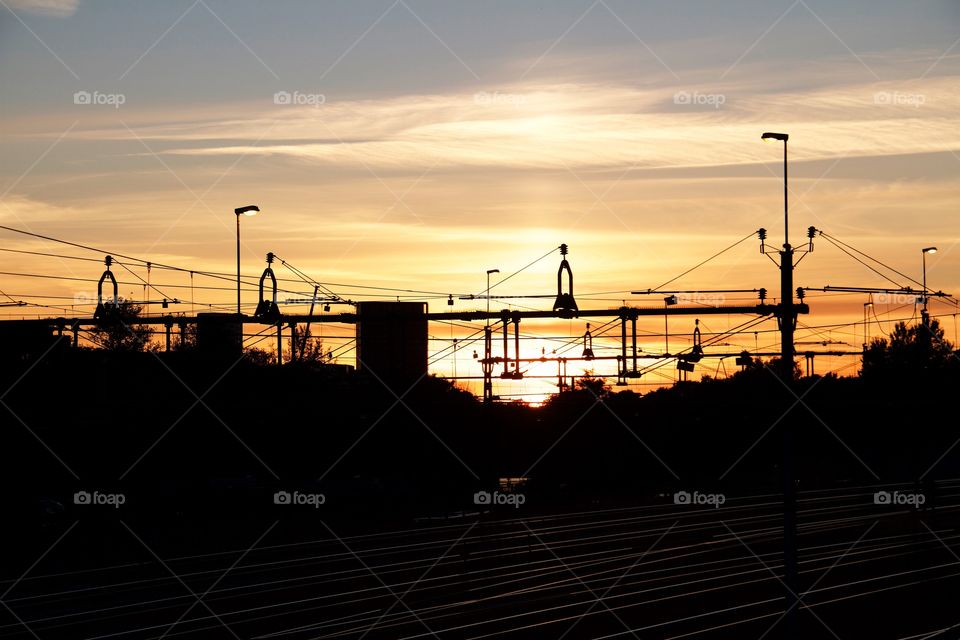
x=697 y=352
x=565 y=304
x=800 y=292
x=268 y=309
x=762 y=233
x=588 y=344
x=811 y=232
x=762 y=293
x=450 y=300
x=105 y=308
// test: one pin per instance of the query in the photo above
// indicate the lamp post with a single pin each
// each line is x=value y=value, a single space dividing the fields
x=787 y=318
x=249 y=211
x=924 y=252
x=866 y=338
x=787 y=314
x=783 y=137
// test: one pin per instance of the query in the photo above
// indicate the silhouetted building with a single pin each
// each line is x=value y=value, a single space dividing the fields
x=392 y=340
x=27 y=339
x=219 y=335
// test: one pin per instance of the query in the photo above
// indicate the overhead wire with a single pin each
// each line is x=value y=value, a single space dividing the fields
x=697 y=266
x=886 y=266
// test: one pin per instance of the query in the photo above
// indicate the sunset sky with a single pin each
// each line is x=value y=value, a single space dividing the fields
x=415 y=144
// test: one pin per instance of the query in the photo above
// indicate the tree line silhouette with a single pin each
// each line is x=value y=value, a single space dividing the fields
x=179 y=435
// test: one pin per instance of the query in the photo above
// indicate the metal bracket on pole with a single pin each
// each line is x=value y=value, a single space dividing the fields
x=587 y=344
x=104 y=310
x=565 y=305
x=268 y=310
x=697 y=352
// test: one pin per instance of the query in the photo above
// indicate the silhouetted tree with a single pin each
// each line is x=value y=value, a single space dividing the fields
x=909 y=350
x=260 y=356
x=188 y=340
x=313 y=350
x=178 y=342
x=593 y=385
x=756 y=366
x=119 y=330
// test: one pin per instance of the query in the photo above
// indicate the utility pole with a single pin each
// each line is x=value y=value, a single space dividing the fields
x=787 y=320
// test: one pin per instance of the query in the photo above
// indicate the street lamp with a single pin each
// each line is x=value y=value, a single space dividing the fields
x=249 y=210
x=924 y=252
x=787 y=320
x=783 y=137
x=489 y=271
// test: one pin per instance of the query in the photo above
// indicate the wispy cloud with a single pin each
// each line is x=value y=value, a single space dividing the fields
x=55 y=8
x=583 y=126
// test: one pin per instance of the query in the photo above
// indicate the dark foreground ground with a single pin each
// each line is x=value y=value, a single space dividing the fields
x=651 y=571
x=151 y=497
